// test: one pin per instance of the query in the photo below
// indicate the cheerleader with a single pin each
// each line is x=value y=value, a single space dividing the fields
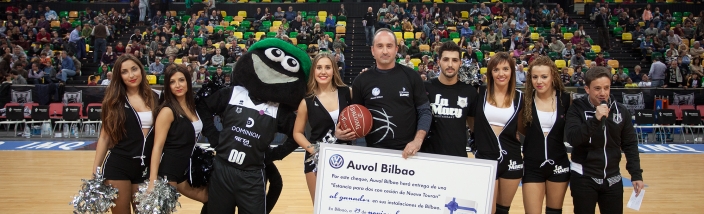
x=496 y=125
x=544 y=154
x=126 y=138
x=327 y=95
x=175 y=134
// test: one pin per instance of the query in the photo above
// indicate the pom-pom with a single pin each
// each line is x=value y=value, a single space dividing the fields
x=201 y=167
x=95 y=196
x=313 y=159
x=163 y=199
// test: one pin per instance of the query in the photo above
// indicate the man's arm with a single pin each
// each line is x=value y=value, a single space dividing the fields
x=423 y=112
x=357 y=97
x=577 y=131
x=629 y=145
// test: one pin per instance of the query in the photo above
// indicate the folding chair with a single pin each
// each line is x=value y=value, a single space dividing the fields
x=93 y=117
x=71 y=114
x=14 y=116
x=665 y=119
x=40 y=115
x=692 y=122
x=645 y=118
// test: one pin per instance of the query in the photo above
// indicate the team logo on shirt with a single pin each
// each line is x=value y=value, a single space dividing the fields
x=375 y=93
x=403 y=93
x=617 y=118
x=387 y=128
x=440 y=108
x=238 y=110
x=250 y=123
x=461 y=101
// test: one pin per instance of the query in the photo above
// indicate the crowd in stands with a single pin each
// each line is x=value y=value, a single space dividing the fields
x=670 y=39
x=524 y=32
x=43 y=45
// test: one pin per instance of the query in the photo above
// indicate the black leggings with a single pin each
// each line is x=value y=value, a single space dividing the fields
x=276 y=185
x=586 y=194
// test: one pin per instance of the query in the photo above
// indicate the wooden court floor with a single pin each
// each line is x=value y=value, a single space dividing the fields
x=45 y=181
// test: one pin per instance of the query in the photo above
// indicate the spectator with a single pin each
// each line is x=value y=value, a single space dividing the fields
x=330 y=23
x=694 y=82
x=600 y=61
x=290 y=14
x=17 y=78
x=556 y=45
x=568 y=52
x=35 y=74
x=109 y=57
x=219 y=76
x=577 y=59
x=616 y=81
x=407 y=62
x=630 y=84
x=635 y=75
x=202 y=77
x=621 y=75
x=657 y=73
x=602 y=21
x=218 y=59
x=100 y=33
x=91 y=81
x=645 y=82
x=520 y=75
x=156 y=67
x=50 y=14
x=673 y=38
x=68 y=68
x=696 y=51
x=674 y=77
x=577 y=76
x=565 y=77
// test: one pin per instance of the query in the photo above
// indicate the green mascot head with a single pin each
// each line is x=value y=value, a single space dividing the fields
x=274 y=70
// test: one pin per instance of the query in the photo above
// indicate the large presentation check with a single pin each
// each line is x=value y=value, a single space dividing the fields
x=353 y=179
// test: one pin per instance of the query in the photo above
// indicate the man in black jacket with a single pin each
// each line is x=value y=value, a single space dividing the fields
x=599 y=128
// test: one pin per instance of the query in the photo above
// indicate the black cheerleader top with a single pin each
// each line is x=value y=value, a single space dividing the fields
x=321 y=123
x=551 y=149
x=181 y=138
x=488 y=145
x=134 y=143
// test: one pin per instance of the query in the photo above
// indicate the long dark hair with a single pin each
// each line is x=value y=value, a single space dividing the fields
x=116 y=96
x=170 y=99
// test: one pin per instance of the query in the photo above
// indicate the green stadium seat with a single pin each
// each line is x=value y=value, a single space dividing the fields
x=230 y=28
x=591 y=55
x=63 y=14
x=312 y=13
x=270 y=34
x=302 y=47
x=218 y=29
x=454 y=35
x=228 y=18
x=292 y=35
x=554 y=55
x=330 y=34
x=198 y=40
x=304 y=13
x=246 y=35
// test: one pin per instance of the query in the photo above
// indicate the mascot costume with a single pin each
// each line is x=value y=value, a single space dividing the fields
x=269 y=83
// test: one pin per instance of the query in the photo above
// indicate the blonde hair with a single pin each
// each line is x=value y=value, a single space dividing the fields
x=336 y=79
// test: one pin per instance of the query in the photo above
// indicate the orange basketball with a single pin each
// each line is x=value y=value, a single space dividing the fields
x=357 y=118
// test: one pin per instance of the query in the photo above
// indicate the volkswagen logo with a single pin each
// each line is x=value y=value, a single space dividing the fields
x=336 y=161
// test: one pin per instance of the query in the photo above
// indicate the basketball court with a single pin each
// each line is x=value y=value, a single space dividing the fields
x=42 y=177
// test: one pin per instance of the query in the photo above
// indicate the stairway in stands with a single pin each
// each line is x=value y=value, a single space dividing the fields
x=357 y=55
x=89 y=68
x=624 y=53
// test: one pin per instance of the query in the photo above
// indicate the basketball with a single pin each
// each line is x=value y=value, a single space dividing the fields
x=357 y=118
